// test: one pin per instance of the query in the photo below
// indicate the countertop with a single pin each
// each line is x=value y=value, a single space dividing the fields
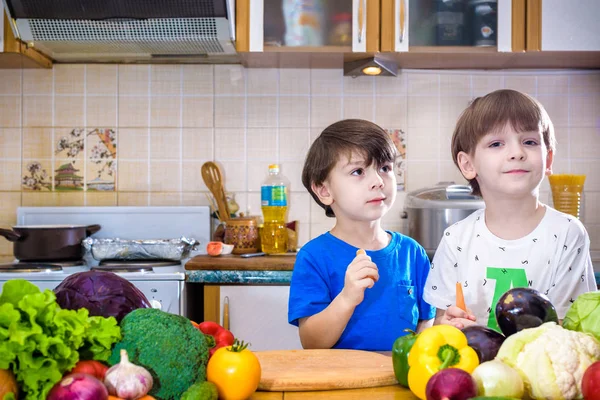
x=395 y=392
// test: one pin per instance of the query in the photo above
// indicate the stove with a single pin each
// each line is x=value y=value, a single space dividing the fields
x=161 y=281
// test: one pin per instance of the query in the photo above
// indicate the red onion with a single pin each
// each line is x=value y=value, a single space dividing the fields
x=78 y=387
x=451 y=384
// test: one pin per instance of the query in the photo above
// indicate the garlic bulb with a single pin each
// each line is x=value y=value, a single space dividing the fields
x=127 y=380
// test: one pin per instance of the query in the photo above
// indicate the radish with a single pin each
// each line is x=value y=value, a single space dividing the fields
x=78 y=386
x=451 y=384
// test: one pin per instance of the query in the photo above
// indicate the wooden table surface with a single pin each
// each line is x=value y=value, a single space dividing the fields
x=395 y=392
x=237 y=263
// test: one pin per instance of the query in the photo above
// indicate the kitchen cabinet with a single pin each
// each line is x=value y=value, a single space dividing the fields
x=557 y=25
x=256 y=314
x=452 y=26
x=16 y=54
x=307 y=26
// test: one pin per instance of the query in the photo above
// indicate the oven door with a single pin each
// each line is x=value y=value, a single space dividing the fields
x=164 y=295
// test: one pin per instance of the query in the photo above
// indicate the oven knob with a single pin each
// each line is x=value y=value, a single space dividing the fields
x=156 y=304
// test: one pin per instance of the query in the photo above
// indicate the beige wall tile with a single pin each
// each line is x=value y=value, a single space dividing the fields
x=262 y=112
x=165 y=79
x=583 y=110
x=132 y=176
x=198 y=144
x=257 y=173
x=70 y=199
x=230 y=144
x=293 y=143
x=37 y=111
x=423 y=84
x=449 y=172
x=390 y=112
x=133 y=111
x=590 y=170
x=591 y=207
x=165 y=176
x=421 y=174
x=294 y=111
x=68 y=186
x=230 y=112
x=165 y=199
x=362 y=85
x=38 y=81
x=263 y=81
x=525 y=83
x=198 y=79
x=294 y=81
x=553 y=84
x=39 y=199
x=325 y=111
x=455 y=85
x=556 y=108
x=445 y=142
x=69 y=111
x=132 y=199
x=134 y=80
x=234 y=175
x=165 y=111
x=10 y=175
x=198 y=112
x=101 y=111
x=261 y=144
x=100 y=199
x=486 y=83
x=451 y=107
x=584 y=143
x=69 y=79
x=299 y=209
x=293 y=171
x=391 y=85
x=37 y=143
x=326 y=82
x=423 y=111
x=587 y=83
x=165 y=143
x=75 y=137
x=133 y=144
x=10 y=143
x=230 y=80
x=194 y=199
x=421 y=143
x=9 y=201
x=10 y=111
x=191 y=174
x=11 y=82
x=359 y=107
x=101 y=79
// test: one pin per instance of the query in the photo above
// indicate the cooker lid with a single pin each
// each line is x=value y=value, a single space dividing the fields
x=444 y=195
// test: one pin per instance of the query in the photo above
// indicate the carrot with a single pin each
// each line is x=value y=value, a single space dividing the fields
x=460 y=299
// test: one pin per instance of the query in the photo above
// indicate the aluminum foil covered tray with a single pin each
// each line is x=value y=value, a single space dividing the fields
x=120 y=249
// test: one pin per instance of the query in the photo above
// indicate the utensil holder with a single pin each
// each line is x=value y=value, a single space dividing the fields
x=243 y=234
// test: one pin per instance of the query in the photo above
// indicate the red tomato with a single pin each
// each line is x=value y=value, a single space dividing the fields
x=214 y=248
x=91 y=367
x=590 y=383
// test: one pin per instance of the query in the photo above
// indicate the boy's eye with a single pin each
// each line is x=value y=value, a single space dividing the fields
x=357 y=172
x=495 y=144
x=530 y=142
x=386 y=168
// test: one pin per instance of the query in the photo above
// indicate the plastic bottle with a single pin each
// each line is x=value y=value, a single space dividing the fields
x=274 y=204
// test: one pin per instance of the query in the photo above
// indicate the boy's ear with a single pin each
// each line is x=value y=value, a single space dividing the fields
x=322 y=193
x=549 y=161
x=466 y=165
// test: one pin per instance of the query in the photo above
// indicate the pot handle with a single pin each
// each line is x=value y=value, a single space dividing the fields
x=10 y=235
x=91 y=229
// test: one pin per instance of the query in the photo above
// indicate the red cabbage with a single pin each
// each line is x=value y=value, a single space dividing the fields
x=103 y=293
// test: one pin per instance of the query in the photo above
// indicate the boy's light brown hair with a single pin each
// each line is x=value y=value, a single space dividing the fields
x=492 y=112
x=342 y=139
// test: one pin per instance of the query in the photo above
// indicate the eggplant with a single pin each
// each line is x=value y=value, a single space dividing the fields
x=485 y=341
x=522 y=308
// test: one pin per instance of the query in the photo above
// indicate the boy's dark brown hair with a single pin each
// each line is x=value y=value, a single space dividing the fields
x=492 y=112
x=342 y=139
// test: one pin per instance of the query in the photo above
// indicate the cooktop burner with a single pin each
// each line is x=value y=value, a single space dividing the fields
x=29 y=267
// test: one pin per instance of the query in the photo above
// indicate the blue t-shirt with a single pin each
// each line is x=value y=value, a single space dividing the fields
x=393 y=304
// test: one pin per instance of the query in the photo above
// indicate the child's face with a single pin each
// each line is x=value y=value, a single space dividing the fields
x=508 y=162
x=358 y=192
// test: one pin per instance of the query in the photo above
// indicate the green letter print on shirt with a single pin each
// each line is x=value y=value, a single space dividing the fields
x=506 y=278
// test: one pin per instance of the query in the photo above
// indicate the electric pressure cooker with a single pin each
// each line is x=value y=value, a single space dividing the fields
x=431 y=210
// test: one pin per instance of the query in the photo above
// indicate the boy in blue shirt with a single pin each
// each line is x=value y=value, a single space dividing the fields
x=341 y=297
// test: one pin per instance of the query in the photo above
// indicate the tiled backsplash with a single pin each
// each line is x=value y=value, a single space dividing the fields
x=166 y=121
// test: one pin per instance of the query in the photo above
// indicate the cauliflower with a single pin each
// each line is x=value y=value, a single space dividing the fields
x=551 y=359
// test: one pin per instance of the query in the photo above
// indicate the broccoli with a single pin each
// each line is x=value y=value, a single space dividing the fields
x=201 y=391
x=168 y=346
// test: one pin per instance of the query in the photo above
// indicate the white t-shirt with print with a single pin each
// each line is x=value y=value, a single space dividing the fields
x=553 y=259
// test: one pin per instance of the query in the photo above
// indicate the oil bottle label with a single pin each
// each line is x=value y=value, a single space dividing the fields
x=275 y=196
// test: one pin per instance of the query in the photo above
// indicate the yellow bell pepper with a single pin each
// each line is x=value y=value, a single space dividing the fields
x=437 y=348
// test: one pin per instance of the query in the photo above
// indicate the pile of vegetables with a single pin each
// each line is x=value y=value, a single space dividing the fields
x=40 y=341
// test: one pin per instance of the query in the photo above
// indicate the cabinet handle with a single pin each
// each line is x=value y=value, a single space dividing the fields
x=361 y=17
x=402 y=20
x=226 y=312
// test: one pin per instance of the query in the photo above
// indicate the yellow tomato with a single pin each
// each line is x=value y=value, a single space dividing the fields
x=235 y=371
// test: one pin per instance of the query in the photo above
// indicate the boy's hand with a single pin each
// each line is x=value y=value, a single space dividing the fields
x=362 y=273
x=456 y=317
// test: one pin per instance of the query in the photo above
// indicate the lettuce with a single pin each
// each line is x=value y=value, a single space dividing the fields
x=584 y=314
x=39 y=341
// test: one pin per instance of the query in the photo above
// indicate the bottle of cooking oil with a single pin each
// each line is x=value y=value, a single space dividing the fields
x=274 y=202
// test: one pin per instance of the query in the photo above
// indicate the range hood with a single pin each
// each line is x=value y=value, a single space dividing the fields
x=127 y=30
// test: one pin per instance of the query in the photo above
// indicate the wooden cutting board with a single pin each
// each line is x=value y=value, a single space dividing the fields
x=304 y=370
x=237 y=263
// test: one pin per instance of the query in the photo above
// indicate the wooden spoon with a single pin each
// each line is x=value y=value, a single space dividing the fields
x=211 y=174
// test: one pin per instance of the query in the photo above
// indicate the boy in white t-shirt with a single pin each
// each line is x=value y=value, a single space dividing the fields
x=504 y=145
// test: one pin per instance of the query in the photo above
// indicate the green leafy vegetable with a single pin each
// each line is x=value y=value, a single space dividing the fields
x=584 y=314
x=39 y=341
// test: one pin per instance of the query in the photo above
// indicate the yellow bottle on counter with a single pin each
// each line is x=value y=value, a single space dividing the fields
x=274 y=203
